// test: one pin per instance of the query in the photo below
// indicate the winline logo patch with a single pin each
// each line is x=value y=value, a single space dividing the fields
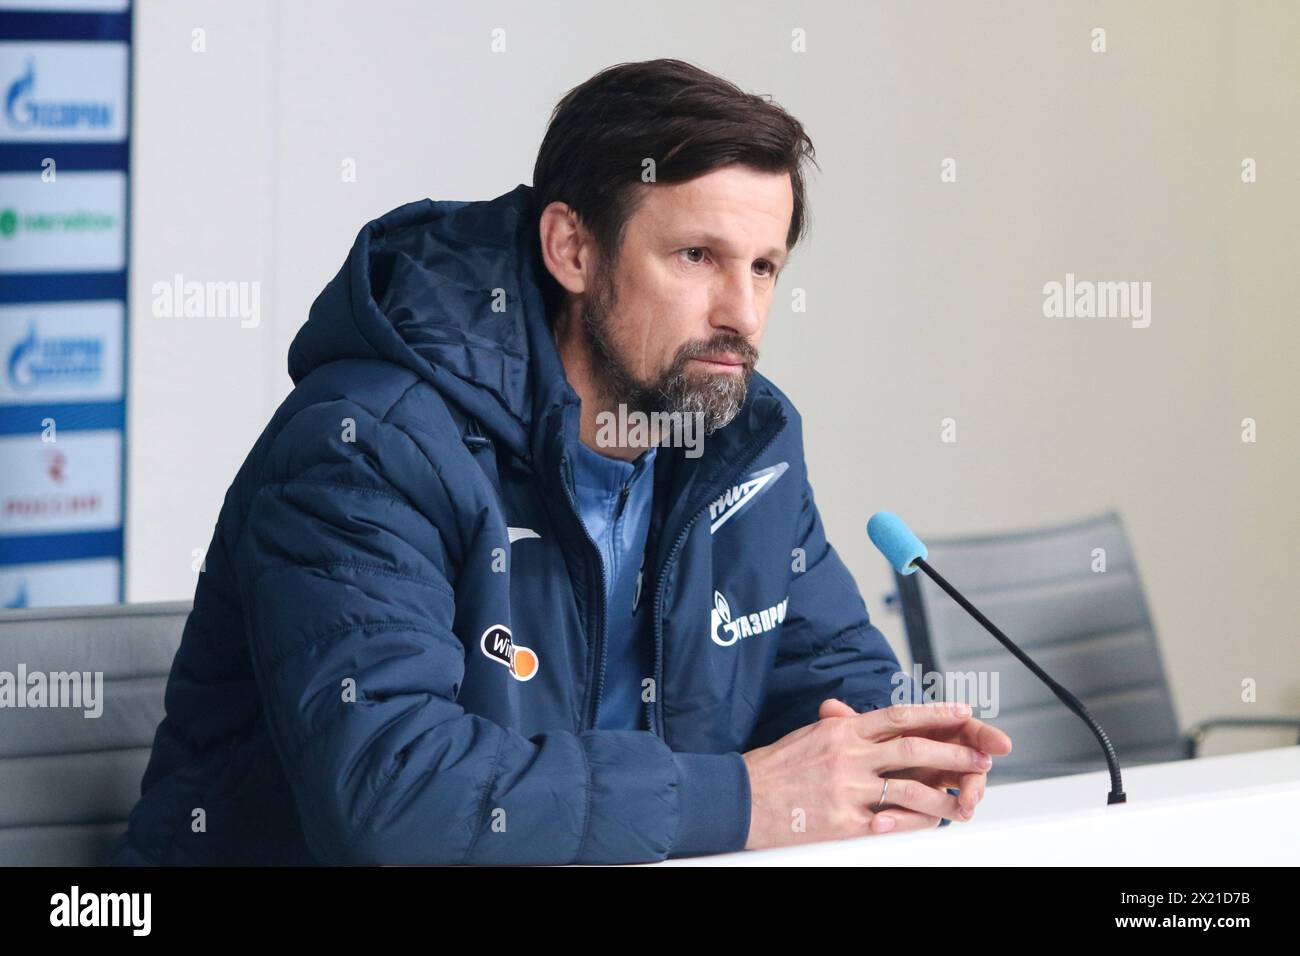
x=499 y=645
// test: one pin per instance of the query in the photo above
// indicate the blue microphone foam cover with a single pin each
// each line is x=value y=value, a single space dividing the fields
x=895 y=541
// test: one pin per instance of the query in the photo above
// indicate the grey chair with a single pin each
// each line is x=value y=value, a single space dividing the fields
x=1089 y=629
x=69 y=781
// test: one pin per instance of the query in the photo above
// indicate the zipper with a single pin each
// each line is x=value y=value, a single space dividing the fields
x=596 y=672
x=598 y=660
x=654 y=710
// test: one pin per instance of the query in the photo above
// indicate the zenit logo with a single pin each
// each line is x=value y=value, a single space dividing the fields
x=500 y=647
x=739 y=497
x=726 y=632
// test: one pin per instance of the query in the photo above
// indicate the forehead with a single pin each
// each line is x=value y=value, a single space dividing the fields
x=735 y=203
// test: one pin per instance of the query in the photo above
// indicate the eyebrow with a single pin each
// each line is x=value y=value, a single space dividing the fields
x=707 y=239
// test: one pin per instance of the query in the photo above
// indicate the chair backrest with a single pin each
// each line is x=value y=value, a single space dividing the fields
x=1088 y=628
x=68 y=781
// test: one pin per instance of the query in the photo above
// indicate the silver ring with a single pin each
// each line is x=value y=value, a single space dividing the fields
x=883 y=790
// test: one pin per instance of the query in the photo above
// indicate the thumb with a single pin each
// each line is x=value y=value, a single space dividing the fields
x=834 y=708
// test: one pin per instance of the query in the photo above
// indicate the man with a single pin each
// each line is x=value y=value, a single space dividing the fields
x=449 y=617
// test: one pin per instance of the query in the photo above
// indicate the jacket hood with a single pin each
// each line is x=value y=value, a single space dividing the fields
x=453 y=291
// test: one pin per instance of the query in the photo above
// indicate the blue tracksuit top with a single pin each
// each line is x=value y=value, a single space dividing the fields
x=614 y=499
x=394 y=653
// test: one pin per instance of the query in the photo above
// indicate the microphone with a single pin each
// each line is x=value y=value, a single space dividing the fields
x=905 y=551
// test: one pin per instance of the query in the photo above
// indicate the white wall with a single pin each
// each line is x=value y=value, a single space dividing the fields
x=924 y=298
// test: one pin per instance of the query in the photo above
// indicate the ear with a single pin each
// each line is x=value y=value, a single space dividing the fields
x=566 y=247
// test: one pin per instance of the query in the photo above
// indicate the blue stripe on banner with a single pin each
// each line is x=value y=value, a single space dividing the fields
x=31 y=549
x=65 y=26
x=70 y=157
x=62 y=286
x=68 y=416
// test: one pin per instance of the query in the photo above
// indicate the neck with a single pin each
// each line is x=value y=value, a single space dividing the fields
x=579 y=369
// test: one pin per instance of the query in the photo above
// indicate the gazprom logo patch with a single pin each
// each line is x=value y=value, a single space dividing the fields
x=725 y=631
x=498 y=644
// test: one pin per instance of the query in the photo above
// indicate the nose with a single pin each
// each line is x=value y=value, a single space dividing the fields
x=735 y=306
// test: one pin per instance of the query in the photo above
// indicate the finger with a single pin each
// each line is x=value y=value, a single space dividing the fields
x=835 y=708
x=903 y=752
x=932 y=777
x=973 y=733
x=914 y=795
x=971 y=793
x=985 y=737
x=927 y=775
x=899 y=719
x=900 y=821
x=970 y=786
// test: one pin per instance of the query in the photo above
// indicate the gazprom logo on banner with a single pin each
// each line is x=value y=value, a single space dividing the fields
x=23 y=110
x=64 y=351
x=39 y=361
x=63 y=91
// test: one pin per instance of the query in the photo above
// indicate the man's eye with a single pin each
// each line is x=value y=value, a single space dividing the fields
x=692 y=249
x=769 y=271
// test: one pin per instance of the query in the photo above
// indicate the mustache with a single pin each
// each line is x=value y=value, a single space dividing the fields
x=747 y=352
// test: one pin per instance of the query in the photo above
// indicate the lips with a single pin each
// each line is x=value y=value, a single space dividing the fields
x=722 y=358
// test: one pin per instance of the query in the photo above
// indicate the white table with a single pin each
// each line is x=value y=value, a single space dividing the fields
x=1239 y=809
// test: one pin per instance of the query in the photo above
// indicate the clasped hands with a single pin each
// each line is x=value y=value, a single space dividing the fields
x=824 y=781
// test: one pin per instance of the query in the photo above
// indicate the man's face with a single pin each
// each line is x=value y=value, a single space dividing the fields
x=674 y=325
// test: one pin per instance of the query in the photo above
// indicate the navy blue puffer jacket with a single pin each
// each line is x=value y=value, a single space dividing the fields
x=377 y=671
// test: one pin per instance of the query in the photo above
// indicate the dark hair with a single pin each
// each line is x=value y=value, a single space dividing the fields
x=687 y=120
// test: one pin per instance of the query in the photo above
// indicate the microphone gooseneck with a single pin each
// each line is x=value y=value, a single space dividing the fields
x=906 y=553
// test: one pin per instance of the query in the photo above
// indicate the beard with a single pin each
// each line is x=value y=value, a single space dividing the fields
x=715 y=397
